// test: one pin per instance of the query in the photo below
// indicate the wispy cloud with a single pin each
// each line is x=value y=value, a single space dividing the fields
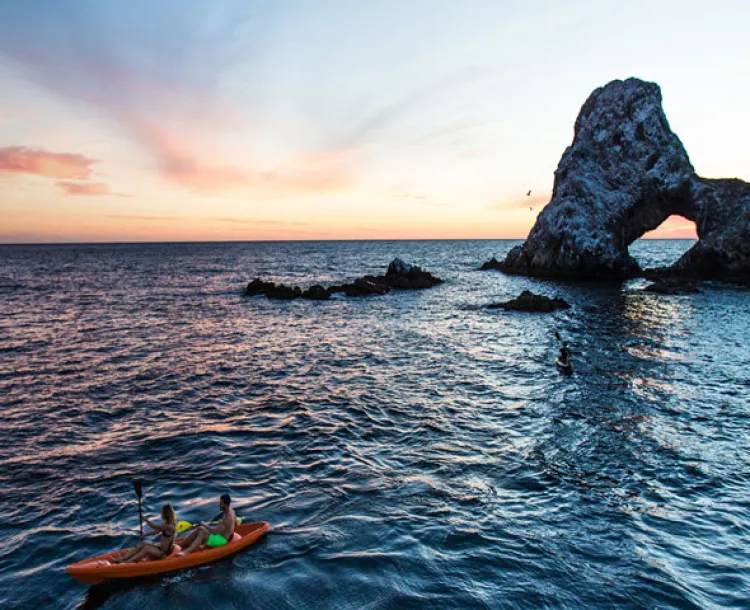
x=137 y=217
x=250 y=222
x=41 y=162
x=418 y=198
x=161 y=90
x=87 y=188
x=385 y=117
x=188 y=165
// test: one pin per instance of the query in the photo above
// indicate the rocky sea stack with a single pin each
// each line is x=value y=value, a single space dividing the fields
x=528 y=301
x=625 y=173
x=399 y=275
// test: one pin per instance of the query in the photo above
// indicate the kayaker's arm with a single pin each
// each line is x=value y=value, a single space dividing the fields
x=157 y=527
x=214 y=530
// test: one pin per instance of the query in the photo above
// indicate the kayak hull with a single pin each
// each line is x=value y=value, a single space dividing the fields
x=98 y=569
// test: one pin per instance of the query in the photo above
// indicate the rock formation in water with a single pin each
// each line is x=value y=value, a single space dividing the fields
x=672 y=285
x=493 y=263
x=399 y=275
x=408 y=277
x=625 y=173
x=528 y=301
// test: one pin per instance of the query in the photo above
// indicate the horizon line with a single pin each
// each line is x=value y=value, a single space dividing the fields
x=251 y=241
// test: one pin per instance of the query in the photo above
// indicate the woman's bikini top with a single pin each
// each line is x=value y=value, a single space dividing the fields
x=170 y=537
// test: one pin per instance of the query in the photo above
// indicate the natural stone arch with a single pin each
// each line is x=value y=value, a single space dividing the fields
x=624 y=174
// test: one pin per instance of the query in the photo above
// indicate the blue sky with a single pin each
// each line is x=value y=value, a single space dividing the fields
x=293 y=120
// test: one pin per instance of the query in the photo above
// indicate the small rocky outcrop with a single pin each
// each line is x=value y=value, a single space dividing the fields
x=283 y=292
x=402 y=276
x=624 y=174
x=528 y=301
x=316 y=293
x=672 y=285
x=399 y=275
x=257 y=287
x=493 y=263
x=363 y=287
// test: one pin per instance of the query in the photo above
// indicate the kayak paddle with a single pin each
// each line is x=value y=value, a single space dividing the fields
x=139 y=493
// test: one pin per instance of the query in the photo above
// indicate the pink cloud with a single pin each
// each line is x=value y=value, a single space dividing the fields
x=41 y=162
x=180 y=163
x=195 y=168
x=137 y=102
x=87 y=188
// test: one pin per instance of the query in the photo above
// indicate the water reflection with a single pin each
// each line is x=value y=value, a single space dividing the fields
x=412 y=450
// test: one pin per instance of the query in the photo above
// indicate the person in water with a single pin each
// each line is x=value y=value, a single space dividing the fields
x=565 y=354
x=167 y=529
x=212 y=536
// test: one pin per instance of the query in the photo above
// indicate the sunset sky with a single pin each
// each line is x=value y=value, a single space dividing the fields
x=165 y=120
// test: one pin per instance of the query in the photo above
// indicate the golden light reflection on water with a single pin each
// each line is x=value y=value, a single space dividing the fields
x=655 y=312
x=646 y=387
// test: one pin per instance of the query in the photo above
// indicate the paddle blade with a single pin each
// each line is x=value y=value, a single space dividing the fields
x=183 y=526
x=137 y=487
x=557 y=336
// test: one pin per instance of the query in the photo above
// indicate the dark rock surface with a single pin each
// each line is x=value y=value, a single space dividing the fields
x=493 y=263
x=257 y=287
x=402 y=276
x=316 y=293
x=528 y=301
x=399 y=275
x=362 y=287
x=284 y=292
x=624 y=174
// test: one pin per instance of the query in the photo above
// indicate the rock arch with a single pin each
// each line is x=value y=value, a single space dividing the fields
x=624 y=174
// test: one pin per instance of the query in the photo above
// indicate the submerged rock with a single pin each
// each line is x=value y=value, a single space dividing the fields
x=528 y=301
x=672 y=286
x=624 y=174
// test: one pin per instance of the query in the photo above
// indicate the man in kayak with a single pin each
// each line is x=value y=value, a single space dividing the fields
x=212 y=536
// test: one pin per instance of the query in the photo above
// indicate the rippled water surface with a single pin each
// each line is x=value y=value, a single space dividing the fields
x=410 y=451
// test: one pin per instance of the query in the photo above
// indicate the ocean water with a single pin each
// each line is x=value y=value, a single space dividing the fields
x=414 y=450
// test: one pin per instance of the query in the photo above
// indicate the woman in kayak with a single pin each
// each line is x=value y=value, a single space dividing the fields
x=167 y=529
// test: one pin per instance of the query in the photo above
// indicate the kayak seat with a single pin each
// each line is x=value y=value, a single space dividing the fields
x=176 y=548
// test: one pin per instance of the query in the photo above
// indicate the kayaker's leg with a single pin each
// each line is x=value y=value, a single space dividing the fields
x=198 y=537
x=129 y=555
x=186 y=540
x=147 y=552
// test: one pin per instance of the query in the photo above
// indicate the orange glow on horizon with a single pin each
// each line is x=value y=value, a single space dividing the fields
x=115 y=224
x=674 y=227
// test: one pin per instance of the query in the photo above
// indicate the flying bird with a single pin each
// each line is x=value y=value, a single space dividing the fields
x=529 y=193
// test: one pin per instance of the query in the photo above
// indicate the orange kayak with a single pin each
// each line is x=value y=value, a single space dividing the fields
x=100 y=568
